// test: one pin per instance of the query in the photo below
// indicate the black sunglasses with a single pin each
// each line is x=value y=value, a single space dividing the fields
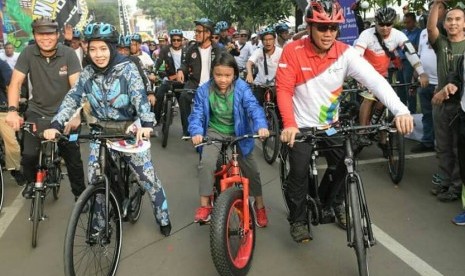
x=176 y=40
x=323 y=28
x=215 y=37
x=385 y=24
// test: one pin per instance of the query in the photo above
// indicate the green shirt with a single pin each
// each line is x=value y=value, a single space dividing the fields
x=221 y=111
x=443 y=53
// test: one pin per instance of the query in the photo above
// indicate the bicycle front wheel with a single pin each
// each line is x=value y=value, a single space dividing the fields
x=283 y=173
x=271 y=144
x=231 y=246
x=167 y=122
x=36 y=215
x=356 y=219
x=55 y=177
x=91 y=248
x=396 y=156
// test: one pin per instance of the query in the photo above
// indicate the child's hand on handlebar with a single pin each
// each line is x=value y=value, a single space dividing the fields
x=197 y=139
x=263 y=133
x=143 y=133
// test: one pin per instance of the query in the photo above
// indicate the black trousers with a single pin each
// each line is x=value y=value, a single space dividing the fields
x=461 y=145
x=185 y=102
x=160 y=95
x=331 y=188
x=69 y=151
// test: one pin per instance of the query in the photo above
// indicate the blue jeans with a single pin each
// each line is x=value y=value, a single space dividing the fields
x=426 y=94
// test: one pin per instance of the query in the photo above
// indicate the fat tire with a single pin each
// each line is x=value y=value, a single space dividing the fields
x=270 y=154
x=167 y=122
x=219 y=234
x=135 y=206
x=89 y=193
x=396 y=156
x=56 y=179
x=356 y=223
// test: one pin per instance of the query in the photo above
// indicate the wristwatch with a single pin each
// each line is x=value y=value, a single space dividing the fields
x=12 y=108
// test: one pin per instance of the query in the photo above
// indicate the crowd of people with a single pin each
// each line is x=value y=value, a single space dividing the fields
x=121 y=78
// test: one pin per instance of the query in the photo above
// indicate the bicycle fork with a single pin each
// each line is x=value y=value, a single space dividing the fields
x=39 y=186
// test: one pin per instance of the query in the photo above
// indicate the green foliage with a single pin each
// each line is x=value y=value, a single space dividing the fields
x=248 y=14
x=177 y=14
x=104 y=12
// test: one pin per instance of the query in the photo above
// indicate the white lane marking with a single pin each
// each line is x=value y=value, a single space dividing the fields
x=10 y=212
x=404 y=254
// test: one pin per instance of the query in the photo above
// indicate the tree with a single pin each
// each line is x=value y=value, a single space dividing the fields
x=247 y=14
x=104 y=12
x=413 y=4
x=177 y=14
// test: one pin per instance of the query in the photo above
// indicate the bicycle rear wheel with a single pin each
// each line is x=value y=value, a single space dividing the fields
x=271 y=144
x=55 y=177
x=36 y=215
x=135 y=199
x=167 y=122
x=231 y=247
x=356 y=221
x=396 y=156
x=90 y=248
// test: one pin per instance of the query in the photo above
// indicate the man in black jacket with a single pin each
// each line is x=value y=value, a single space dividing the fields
x=168 y=62
x=196 y=66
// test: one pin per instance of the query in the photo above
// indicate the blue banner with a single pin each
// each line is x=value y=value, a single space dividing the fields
x=349 y=31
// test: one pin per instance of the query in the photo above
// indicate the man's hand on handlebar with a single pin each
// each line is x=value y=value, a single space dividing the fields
x=14 y=120
x=288 y=135
x=404 y=123
x=180 y=76
x=51 y=134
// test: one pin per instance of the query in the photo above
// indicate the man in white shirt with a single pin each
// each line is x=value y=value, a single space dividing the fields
x=147 y=61
x=266 y=59
x=10 y=56
x=245 y=50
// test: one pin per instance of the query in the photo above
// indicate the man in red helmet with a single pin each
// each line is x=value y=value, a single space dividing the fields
x=309 y=82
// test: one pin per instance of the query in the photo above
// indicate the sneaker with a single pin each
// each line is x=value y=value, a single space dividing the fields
x=261 y=220
x=438 y=189
x=437 y=179
x=448 y=196
x=384 y=149
x=299 y=232
x=459 y=219
x=28 y=190
x=202 y=214
x=327 y=215
x=340 y=214
x=19 y=177
x=165 y=229
x=421 y=147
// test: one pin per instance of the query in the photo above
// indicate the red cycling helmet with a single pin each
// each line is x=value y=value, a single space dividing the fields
x=324 y=11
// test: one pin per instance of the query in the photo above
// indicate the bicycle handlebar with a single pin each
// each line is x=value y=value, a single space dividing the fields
x=229 y=141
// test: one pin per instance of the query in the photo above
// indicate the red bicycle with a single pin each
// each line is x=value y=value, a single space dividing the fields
x=232 y=227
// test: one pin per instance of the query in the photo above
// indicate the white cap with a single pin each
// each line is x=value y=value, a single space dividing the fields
x=253 y=36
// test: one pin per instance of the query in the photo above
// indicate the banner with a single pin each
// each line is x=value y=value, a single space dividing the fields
x=17 y=16
x=349 y=30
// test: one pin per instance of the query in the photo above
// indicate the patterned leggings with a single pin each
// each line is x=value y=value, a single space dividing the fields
x=142 y=166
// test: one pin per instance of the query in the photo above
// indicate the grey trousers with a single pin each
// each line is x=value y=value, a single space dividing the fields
x=446 y=124
x=208 y=166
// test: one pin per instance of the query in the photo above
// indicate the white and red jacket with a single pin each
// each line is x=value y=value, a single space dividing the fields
x=308 y=86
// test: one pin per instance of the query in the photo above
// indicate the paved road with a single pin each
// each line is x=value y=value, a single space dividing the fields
x=413 y=229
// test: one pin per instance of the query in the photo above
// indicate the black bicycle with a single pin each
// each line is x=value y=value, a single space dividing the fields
x=93 y=238
x=271 y=144
x=168 y=110
x=48 y=178
x=359 y=230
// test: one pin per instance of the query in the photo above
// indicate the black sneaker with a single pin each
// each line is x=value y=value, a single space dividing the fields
x=327 y=215
x=28 y=190
x=448 y=196
x=299 y=232
x=421 y=148
x=165 y=230
x=340 y=214
x=438 y=189
x=19 y=177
